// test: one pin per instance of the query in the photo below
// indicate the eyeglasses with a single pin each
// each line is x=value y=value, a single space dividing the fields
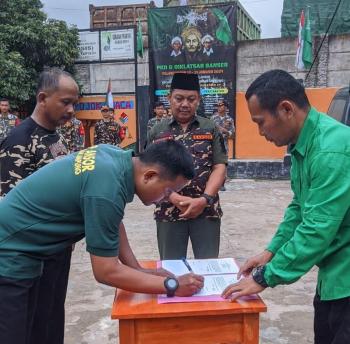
x=104 y=110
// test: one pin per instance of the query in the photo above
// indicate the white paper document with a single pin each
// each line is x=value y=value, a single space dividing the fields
x=215 y=284
x=202 y=266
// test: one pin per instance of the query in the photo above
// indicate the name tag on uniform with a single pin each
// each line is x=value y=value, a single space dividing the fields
x=202 y=137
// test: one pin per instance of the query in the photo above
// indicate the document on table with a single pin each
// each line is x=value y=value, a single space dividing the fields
x=202 y=266
x=215 y=284
x=217 y=273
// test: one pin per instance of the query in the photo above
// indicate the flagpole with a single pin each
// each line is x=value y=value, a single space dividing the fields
x=324 y=37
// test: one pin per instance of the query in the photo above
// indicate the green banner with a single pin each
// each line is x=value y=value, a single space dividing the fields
x=198 y=39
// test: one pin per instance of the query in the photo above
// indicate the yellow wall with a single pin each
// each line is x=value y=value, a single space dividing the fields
x=250 y=145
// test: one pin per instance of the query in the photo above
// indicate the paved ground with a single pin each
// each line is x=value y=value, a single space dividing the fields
x=252 y=210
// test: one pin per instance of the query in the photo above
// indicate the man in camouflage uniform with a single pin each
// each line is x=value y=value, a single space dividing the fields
x=159 y=112
x=7 y=120
x=224 y=122
x=71 y=132
x=31 y=145
x=195 y=211
x=107 y=130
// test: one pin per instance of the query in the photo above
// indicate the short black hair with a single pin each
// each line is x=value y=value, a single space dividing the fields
x=274 y=86
x=157 y=104
x=49 y=79
x=4 y=100
x=172 y=156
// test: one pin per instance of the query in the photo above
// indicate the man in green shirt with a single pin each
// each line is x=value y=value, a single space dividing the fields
x=45 y=214
x=316 y=226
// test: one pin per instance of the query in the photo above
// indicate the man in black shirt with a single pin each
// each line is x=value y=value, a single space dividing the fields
x=30 y=146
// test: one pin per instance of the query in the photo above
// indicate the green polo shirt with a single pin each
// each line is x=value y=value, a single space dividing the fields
x=81 y=195
x=316 y=225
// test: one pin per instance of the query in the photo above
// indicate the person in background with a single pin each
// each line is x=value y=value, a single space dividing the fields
x=7 y=120
x=30 y=146
x=158 y=111
x=107 y=130
x=316 y=225
x=195 y=211
x=167 y=114
x=225 y=124
x=73 y=133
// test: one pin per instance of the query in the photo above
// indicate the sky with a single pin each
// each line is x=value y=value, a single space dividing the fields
x=267 y=13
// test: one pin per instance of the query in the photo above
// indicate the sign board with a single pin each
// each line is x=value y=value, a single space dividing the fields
x=89 y=46
x=117 y=44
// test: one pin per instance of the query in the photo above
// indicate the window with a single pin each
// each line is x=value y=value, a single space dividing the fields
x=337 y=108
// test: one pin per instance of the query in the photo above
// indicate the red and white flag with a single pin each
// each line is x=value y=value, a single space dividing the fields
x=299 y=58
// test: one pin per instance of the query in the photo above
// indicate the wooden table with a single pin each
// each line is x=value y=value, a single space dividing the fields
x=143 y=321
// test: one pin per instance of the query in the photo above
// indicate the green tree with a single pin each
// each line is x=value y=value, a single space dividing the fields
x=29 y=42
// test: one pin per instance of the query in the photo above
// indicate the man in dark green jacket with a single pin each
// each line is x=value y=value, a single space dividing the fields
x=316 y=226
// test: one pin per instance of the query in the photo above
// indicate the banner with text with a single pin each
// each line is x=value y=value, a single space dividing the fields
x=89 y=46
x=106 y=45
x=198 y=39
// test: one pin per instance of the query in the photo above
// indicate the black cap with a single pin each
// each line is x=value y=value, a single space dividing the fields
x=183 y=81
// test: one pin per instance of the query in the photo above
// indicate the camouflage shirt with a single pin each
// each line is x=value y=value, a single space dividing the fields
x=26 y=149
x=204 y=141
x=71 y=133
x=152 y=122
x=7 y=123
x=227 y=123
x=107 y=132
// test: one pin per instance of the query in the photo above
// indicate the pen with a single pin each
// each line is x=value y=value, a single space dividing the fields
x=187 y=265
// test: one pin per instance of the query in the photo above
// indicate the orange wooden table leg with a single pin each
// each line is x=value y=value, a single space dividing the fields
x=250 y=328
x=127 y=332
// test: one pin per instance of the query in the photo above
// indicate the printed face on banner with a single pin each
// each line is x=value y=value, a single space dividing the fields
x=199 y=39
x=192 y=38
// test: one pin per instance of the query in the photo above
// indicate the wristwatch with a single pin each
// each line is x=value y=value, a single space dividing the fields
x=258 y=276
x=171 y=284
x=210 y=199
